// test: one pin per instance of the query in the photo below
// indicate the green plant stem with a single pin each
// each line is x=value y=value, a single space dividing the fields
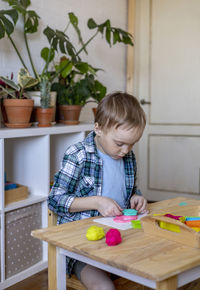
x=66 y=27
x=21 y=93
x=17 y=51
x=86 y=44
x=29 y=55
x=45 y=69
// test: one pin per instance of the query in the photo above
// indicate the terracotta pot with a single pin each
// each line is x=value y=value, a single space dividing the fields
x=60 y=114
x=18 y=112
x=44 y=116
x=70 y=114
x=35 y=95
x=94 y=111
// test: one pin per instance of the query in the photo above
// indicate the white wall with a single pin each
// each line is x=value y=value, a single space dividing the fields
x=54 y=14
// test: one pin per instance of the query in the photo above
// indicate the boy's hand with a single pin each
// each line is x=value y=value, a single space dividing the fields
x=139 y=203
x=108 y=207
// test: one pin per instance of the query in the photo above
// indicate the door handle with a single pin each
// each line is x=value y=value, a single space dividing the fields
x=143 y=102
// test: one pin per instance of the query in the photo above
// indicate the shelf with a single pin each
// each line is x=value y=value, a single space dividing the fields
x=29 y=157
x=28 y=201
x=35 y=131
x=29 y=272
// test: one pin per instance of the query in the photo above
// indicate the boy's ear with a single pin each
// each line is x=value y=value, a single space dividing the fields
x=97 y=129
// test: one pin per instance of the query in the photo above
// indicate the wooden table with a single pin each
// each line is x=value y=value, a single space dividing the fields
x=148 y=260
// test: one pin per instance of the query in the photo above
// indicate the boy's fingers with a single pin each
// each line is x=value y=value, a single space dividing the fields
x=119 y=210
x=141 y=205
x=143 y=209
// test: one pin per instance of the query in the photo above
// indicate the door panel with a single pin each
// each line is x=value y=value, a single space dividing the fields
x=175 y=61
x=171 y=168
x=167 y=72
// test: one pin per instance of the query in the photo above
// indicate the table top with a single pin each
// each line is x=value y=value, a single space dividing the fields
x=149 y=256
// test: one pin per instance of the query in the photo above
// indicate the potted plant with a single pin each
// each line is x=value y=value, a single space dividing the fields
x=75 y=85
x=58 y=40
x=18 y=108
x=8 y=19
x=77 y=79
x=98 y=91
x=44 y=113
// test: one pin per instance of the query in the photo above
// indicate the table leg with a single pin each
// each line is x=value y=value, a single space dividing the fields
x=60 y=270
x=52 y=284
x=168 y=284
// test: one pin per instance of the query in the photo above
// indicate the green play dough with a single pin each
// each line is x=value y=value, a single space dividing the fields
x=136 y=224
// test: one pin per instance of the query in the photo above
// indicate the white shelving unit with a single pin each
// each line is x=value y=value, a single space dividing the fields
x=30 y=157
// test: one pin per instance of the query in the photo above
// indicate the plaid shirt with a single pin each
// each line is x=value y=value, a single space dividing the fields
x=80 y=176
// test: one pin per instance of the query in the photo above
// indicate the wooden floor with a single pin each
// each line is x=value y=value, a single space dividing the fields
x=40 y=282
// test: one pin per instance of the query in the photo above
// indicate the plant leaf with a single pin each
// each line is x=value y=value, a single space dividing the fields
x=47 y=54
x=19 y=5
x=8 y=19
x=25 y=3
x=49 y=33
x=123 y=36
x=116 y=37
x=22 y=3
x=82 y=67
x=65 y=67
x=71 y=51
x=31 y=21
x=10 y=83
x=8 y=92
x=60 y=41
x=25 y=80
x=91 y=23
x=74 y=21
x=8 y=25
x=100 y=90
x=2 y=31
x=117 y=34
x=108 y=35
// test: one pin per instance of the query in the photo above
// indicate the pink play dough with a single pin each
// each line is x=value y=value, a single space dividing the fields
x=113 y=237
x=124 y=218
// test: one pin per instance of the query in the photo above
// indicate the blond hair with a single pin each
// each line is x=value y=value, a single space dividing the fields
x=119 y=109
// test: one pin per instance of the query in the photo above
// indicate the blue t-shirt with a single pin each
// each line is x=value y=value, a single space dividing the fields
x=113 y=185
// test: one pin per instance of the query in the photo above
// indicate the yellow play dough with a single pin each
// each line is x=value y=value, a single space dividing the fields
x=95 y=233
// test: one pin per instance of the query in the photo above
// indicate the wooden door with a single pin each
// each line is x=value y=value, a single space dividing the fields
x=167 y=74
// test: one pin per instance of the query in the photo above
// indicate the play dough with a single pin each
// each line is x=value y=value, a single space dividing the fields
x=124 y=218
x=130 y=211
x=95 y=233
x=136 y=224
x=113 y=237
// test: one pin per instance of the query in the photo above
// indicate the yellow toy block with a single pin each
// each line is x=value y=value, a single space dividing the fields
x=169 y=227
x=196 y=229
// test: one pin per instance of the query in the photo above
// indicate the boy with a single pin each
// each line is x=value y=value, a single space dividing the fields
x=98 y=175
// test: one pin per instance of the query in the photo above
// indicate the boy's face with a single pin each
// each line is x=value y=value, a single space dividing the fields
x=117 y=142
